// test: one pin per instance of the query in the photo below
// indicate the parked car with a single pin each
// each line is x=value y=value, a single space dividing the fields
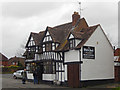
x=18 y=74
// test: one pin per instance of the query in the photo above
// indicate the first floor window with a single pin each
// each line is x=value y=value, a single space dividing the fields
x=43 y=47
x=49 y=67
x=30 y=67
x=71 y=43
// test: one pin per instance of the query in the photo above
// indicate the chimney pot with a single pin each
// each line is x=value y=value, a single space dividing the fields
x=75 y=17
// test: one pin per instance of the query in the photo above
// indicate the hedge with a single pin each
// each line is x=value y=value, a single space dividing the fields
x=10 y=69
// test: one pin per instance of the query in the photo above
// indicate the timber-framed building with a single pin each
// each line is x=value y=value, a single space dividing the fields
x=73 y=52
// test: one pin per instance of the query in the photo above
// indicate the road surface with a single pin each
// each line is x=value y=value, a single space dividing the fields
x=9 y=82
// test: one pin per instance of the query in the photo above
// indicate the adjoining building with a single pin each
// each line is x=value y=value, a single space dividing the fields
x=117 y=64
x=19 y=61
x=73 y=53
x=3 y=60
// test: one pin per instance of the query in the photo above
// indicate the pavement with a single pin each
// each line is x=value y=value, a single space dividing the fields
x=9 y=82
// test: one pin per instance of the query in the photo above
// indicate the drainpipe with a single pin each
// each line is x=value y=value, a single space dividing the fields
x=80 y=63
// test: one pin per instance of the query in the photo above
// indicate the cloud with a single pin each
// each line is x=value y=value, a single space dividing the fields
x=21 y=18
x=27 y=9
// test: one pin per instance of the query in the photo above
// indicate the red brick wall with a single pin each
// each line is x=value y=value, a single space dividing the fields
x=117 y=73
x=4 y=63
x=117 y=53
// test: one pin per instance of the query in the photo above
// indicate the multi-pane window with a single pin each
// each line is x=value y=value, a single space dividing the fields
x=49 y=46
x=43 y=47
x=31 y=49
x=47 y=38
x=53 y=46
x=31 y=42
x=71 y=43
x=49 y=67
x=30 y=52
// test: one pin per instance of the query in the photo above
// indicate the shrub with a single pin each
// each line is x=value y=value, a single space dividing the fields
x=13 y=66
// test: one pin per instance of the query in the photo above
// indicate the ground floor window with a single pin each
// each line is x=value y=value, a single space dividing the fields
x=30 y=67
x=49 y=67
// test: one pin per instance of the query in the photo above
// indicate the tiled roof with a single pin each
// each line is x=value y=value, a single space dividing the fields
x=37 y=37
x=3 y=57
x=83 y=34
x=60 y=33
x=87 y=33
x=16 y=58
x=75 y=31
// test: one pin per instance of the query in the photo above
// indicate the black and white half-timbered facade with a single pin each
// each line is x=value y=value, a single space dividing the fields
x=70 y=53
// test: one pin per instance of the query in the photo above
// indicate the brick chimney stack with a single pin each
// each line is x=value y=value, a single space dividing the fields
x=75 y=17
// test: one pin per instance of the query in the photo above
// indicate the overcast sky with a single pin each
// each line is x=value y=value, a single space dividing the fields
x=21 y=18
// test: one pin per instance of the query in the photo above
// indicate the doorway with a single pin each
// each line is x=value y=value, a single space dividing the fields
x=117 y=73
x=39 y=71
x=73 y=75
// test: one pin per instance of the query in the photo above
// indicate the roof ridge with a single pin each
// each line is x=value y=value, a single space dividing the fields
x=79 y=21
x=94 y=25
x=62 y=25
x=34 y=33
x=41 y=32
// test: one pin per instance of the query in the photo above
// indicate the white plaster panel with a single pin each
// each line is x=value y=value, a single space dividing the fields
x=48 y=77
x=102 y=67
x=72 y=56
x=65 y=76
x=29 y=75
x=77 y=42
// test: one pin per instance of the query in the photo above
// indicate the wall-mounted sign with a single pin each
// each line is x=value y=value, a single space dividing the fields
x=88 y=52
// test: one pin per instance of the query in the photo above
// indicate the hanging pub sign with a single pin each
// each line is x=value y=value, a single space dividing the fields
x=88 y=52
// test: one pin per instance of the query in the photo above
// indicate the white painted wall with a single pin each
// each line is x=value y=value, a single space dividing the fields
x=29 y=75
x=71 y=36
x=65 y=75
x=72 y=56
x=102 y=67
x=48 y=77
x=60 y=75
x=77 y=42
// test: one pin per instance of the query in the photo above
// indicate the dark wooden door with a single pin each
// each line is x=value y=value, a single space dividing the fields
x=117 y=73
x=39 y=71
x=73 y=75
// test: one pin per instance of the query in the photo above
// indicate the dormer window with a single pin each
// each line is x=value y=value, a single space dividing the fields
x=43 y=47
x=31 y=42
x=47 y=37
x=53 y=46
x=71 y=43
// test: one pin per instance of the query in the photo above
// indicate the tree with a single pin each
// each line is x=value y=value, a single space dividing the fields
x=19 y=64
x=20 y=51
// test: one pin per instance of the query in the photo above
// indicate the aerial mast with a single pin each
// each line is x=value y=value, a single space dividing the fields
x=80 y=8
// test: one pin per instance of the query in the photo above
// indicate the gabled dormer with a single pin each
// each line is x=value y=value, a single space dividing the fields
x=47 y=37
x=73 y=41
x=31 y=46
x=48 y=44
x=31 y=42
